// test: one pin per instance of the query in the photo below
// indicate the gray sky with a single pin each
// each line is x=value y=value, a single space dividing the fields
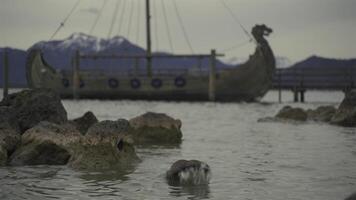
x=301 y=27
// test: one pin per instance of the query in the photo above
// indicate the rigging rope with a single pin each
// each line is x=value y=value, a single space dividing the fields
x=138 y=21
x=121 y=20
x=236 y=46
x=130 y=19
x=114 y=17
x=237 y=20
x=98 y=17
x=61 y=25
x=167 y=25
x=182 y=26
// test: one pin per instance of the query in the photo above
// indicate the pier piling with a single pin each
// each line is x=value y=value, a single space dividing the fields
x=212 y=76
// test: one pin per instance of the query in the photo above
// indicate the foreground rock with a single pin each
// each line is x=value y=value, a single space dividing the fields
x=9 y=140
x=29 y=107
x=83 y=123
x=346 y=113
x=106 y=145
x=8 y=118
x=155 y=128
x=188 y=172
x=46 y=144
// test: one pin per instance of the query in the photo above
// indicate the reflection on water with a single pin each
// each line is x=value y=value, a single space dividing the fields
x=249 y=160
x=192 y=192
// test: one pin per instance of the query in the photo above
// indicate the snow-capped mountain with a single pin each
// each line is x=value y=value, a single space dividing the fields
x=59 y=53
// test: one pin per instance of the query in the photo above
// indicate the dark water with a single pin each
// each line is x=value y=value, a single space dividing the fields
x=249 y=160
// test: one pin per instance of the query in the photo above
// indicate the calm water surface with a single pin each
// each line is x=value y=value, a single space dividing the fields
x=249 y=160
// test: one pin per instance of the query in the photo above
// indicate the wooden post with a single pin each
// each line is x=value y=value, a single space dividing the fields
x=6 y=74
x=75 y=63
x=279 y=86
x=295 y=92
x=212 y=76
x=148 y=39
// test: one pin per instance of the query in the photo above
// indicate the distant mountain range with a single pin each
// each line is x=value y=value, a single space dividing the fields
x=319 y=73
x=58 y=53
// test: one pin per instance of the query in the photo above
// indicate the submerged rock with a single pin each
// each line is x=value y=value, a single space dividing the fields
x=46 y=144
x=29 y=107
x=290 y=113
x=155 y=128
x=83 y=123
x=346 y=113
x=188 y=172
x=105 y=146
x=9 y=140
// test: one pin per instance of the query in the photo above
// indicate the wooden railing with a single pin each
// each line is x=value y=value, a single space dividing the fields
x=326 y=79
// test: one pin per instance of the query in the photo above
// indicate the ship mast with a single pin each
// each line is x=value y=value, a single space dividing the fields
x=148 y=32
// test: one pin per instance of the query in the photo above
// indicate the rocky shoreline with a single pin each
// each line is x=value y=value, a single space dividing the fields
x=35 y=130
x=344 y=115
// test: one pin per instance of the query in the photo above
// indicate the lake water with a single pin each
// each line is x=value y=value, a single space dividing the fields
x=249 y=160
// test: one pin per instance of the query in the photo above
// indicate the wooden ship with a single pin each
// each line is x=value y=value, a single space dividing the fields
x=247 y=82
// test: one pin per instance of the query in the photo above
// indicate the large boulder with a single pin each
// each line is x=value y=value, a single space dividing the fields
x=9 y=140
x=289 y=113
x=33 y=106
x=83 y=123
x=322 y=113
x=106 y=145
x=46 y=144
x=155 y=128
x=346 y=113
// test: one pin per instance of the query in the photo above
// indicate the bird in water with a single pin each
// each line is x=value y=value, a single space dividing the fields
x=188 y=172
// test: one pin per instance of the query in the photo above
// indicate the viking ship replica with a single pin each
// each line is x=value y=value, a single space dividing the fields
x=248 y=82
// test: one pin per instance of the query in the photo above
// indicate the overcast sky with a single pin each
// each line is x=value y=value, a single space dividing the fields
x=301 y=27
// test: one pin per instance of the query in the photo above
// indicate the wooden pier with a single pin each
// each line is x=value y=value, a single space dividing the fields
x=300 y=81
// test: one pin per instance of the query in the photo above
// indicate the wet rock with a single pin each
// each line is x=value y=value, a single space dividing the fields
x=188 y=172
x=46 y=144
x=290 y=113
x=346 y=113
x=321 y=114
x=351 y=197
x=33 y=106
x=105 y=146
x=9 y=140
x=8 y=118
x=3 y=156
x=83 y=123
x=156 y=128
